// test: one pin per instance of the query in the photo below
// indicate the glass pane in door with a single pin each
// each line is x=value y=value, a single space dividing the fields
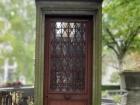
x=67 y=56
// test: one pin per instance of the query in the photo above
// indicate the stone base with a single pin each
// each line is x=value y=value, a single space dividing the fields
x=132 y=86
x=133 y=97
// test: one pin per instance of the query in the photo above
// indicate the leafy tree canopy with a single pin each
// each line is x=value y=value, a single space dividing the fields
x=121 y=28
x=17 y=30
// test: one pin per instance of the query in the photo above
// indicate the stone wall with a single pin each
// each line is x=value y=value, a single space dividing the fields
x=133 y=97
x=132 y=85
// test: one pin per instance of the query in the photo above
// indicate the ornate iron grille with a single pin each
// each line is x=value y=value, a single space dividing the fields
x=67 y=56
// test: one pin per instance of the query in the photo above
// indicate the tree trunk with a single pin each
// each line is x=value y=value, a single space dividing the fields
x=122 y=82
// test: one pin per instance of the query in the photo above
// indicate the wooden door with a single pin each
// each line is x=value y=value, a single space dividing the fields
x=68 y=61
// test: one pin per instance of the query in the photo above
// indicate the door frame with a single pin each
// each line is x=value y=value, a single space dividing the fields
x=93 y=9
x=84 y=95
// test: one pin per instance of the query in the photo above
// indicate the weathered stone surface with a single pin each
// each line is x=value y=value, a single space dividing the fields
x=132 y=80
x=68 y=8
x=132 y=84
x=133 y=98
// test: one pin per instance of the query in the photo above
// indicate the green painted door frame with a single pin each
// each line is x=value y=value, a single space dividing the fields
x=65 y=7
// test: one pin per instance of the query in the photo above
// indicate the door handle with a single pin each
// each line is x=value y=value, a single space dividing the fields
x=67 y=97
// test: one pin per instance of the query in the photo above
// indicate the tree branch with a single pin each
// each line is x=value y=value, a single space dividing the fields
x=112 y=38
x=131 y=38
x=113 y=48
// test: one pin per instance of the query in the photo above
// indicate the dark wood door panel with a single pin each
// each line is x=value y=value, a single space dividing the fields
x=65 y=102
x=67 y=96
x=68 y=54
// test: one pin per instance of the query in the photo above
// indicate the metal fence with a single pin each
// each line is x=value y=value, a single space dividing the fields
x=25 y=95
x=17 y=96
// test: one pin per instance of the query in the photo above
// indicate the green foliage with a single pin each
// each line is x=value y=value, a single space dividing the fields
x=20 y=35
x=122 y=15
x=115 y=97
x=104 y=93
x=121 y=33
x=121 y=28
x=114 y=77
x=1 y=24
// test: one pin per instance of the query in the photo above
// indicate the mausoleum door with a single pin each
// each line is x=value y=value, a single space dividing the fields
x=68 y=60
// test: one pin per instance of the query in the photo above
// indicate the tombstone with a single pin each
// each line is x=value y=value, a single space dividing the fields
x=132 y=87
x=68 y=52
